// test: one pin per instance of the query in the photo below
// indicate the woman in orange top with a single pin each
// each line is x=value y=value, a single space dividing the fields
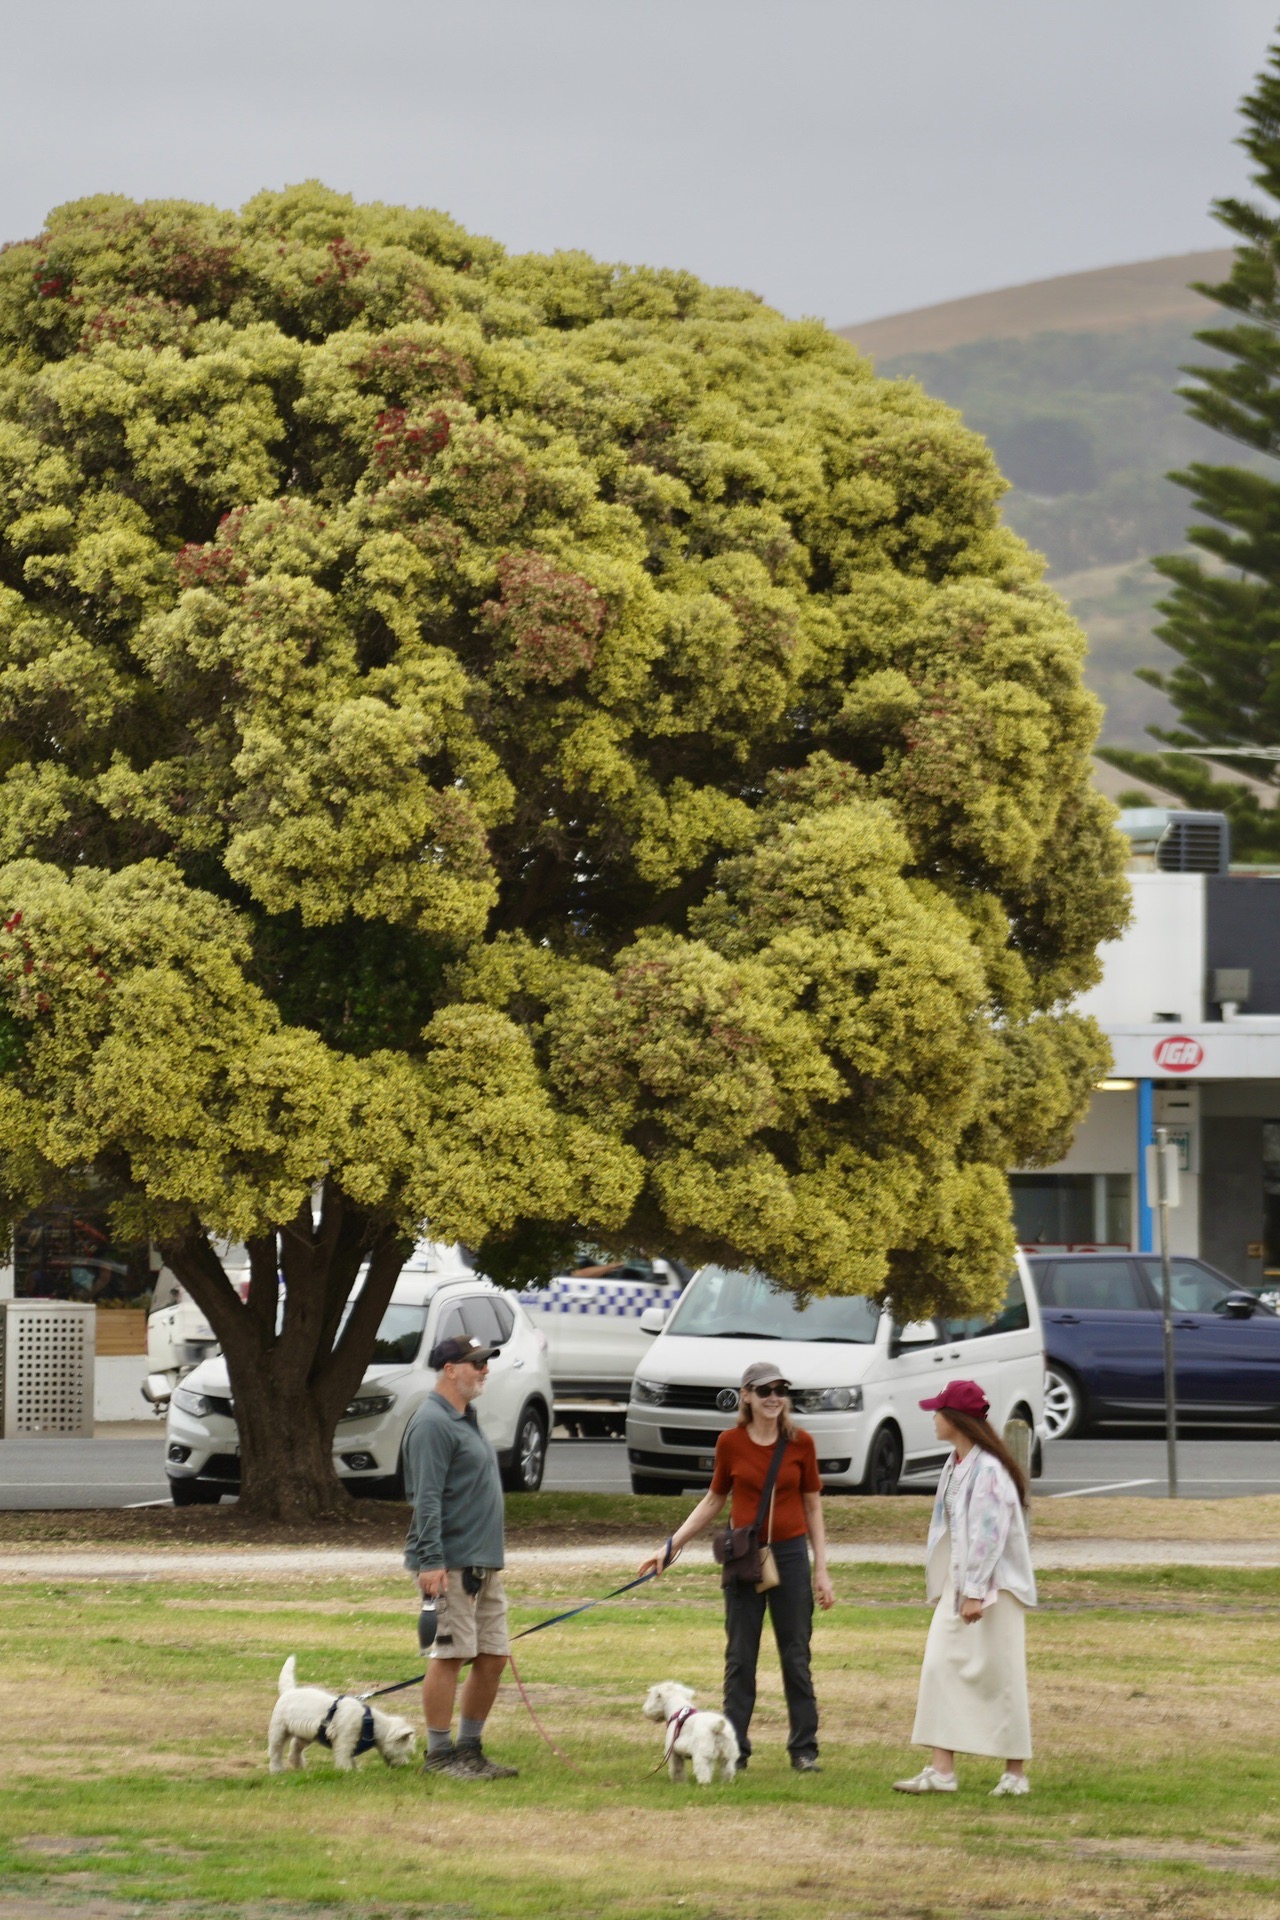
x=743 y=1455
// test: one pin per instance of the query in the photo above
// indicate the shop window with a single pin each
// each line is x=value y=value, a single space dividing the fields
x=1271 y=1200
x=67 y=1253
x=1071 y=1211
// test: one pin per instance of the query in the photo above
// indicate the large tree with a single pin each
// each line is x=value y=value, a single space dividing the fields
x=534 y=747
x=1222 y=618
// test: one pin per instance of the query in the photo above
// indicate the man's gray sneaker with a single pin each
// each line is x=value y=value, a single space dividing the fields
x=471 y=1762
x=440 y=1761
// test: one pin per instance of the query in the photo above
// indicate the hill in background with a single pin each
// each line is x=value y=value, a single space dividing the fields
x=1073 y=381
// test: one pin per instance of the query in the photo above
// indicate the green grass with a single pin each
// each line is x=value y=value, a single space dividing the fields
x=1155 y=1698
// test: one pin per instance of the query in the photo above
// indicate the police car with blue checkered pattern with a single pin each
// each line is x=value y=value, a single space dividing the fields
x=590 y=1319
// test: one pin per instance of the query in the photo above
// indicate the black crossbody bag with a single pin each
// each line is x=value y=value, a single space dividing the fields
x=738 y=1549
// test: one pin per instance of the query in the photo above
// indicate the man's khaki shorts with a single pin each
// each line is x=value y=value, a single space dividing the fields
x=467 y=1625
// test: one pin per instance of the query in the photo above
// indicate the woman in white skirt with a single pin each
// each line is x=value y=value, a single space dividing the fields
x=973 y=1686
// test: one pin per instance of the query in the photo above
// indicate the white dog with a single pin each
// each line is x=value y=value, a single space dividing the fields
x=701 y=1738
x=337 y=1720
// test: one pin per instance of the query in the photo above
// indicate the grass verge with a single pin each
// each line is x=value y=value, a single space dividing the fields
x=139 y=1775
x=540 y=1519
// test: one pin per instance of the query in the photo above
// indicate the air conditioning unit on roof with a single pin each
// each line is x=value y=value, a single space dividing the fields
x=1175 y=840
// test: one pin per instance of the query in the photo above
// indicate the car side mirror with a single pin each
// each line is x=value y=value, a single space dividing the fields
x=1238 y=1306
x=916 y=1333
x=653 y=1320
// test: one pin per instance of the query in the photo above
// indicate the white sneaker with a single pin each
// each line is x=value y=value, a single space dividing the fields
x=1010 y=1783
x=928 y=1780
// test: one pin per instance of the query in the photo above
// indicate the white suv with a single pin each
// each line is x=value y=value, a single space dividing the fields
x=202 y=1456
x=857 y=1379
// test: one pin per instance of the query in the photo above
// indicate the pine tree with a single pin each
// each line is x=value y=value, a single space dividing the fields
x=1222 y=617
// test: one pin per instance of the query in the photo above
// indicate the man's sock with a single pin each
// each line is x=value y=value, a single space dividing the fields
x=469 y=1730
x=438 y=1738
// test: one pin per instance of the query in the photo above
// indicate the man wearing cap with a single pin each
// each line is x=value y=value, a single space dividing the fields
x=455 y=1550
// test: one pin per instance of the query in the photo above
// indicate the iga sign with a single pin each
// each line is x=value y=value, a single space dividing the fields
x=1180 y=1053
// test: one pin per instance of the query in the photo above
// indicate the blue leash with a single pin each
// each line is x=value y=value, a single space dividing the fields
x=539 y=1625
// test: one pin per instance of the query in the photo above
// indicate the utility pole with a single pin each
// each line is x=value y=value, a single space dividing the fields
x=1166 y=1281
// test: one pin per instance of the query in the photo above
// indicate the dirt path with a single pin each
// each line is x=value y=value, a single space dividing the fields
x=274 y=1563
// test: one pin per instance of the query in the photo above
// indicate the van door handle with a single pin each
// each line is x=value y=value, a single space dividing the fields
x=1065 y=1319
x=517 y=1363
x=938 y=1358
x=1186 y=1323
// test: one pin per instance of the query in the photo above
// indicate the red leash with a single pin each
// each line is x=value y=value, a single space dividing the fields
x=572 y=1766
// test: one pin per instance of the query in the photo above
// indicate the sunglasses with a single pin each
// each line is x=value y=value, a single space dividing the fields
x=776 y=1389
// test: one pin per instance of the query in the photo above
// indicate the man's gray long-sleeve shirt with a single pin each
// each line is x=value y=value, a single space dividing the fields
x=452 y=1480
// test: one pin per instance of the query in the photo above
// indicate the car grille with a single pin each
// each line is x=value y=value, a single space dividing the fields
x=677 y=1462
x=694 y=1396
x=221 y=1466
x=705 y=1441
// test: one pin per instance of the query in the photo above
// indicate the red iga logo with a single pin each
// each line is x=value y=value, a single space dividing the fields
x=1180 y=1053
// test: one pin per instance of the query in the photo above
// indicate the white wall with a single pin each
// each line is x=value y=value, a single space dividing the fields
x=117 y=1389
x=1106 y=1141
x=1158 y=965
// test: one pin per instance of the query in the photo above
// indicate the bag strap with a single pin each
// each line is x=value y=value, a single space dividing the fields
x=771 y=1481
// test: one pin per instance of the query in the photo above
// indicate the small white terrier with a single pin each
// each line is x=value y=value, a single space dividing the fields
x=337 y=1720
x=691 y=1734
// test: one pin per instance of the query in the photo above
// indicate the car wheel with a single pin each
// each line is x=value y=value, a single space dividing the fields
x=194 y=1493
x=529 y=1455
x=884 y=1463
x=1063 y=1402
x=650 y=1483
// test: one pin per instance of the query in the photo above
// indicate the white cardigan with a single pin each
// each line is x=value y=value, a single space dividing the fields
x=990 y=1551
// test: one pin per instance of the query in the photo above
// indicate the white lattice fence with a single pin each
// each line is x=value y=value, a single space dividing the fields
x=46 y=1363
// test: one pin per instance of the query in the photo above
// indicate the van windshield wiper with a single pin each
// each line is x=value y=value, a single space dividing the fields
x=751 y=1333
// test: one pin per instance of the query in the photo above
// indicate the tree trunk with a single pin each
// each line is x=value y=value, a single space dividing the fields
x=289 y=1380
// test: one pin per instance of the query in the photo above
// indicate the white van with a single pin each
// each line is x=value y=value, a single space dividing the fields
x=857 y=1379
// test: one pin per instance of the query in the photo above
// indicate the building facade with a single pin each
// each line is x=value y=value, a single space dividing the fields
x=1190 y=1000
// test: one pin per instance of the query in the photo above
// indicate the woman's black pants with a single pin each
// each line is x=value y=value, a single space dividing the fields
x=790 y=1606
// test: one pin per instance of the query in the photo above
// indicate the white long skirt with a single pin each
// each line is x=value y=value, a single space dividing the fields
x=973 y=1686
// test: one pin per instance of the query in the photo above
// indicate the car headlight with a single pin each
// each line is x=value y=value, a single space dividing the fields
x=650 y=1393
x=368 y=1406
x=200 y=1404
x=827 y=1399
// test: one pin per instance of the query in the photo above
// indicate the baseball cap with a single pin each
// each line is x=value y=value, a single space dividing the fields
x=960 y=1396
x=762 y=1371
x=447 y=1352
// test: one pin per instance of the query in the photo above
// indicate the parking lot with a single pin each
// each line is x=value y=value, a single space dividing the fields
x=124 y=1467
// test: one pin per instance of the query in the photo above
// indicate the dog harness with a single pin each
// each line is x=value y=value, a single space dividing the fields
x=676 y=1723
x=366 y=1739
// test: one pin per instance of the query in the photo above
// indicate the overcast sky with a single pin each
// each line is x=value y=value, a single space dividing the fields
x=841 y=157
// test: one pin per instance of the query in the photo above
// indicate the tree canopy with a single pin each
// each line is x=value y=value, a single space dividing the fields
x=539 y=747
x=1222 y=617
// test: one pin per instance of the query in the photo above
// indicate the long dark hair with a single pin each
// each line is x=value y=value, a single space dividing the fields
x=984 y=1435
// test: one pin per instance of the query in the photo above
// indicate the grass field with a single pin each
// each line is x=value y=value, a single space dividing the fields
x=134 y=1775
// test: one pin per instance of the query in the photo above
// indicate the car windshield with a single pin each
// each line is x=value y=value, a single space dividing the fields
x=399 y=1335
x=721 y=1304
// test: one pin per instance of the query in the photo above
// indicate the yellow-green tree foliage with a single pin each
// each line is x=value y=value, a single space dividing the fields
x=546 y=748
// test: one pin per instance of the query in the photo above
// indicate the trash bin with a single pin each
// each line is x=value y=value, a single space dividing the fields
x=46 y=1365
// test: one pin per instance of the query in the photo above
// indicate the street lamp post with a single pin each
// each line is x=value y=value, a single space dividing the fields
x=1166 y=1284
